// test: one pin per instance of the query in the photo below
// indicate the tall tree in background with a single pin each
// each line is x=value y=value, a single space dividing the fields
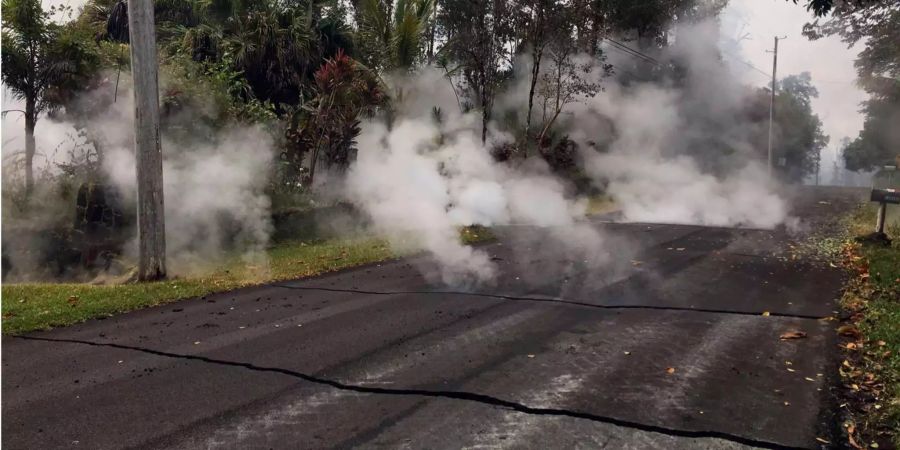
x=544 y=21
x=800 y=136
x=478 y=32
x=876 y=24
x=41 y=65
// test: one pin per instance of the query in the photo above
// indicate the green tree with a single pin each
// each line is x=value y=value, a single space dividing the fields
x=478 y=34
x=42 y=63
x=876 y=25
x=800 y=138
x=275 y=45
x=327 y=125
x=391 y=35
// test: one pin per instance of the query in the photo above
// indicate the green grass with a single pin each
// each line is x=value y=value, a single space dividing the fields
x=600 y=204
x=879 y=297
x=29 y=307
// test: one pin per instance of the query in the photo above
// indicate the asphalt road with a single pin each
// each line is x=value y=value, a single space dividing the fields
x=668 y=348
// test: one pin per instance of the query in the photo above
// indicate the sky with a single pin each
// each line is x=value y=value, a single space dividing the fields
x=828 y=60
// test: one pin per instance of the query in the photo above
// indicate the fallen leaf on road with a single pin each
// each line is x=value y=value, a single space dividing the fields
x=790 y=370
x=849 y=331
x=787 y=403
x=627 y=353
x=808 y=379
x=196 y=342
x=531 y=356
x=793 y=334
x=766 y=313
x=636 y=263
x=670 y=370
x=823 y=440
x=680 y=249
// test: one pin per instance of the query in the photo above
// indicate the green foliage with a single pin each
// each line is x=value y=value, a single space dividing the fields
x=276 y=46
x=388 y=42
x=877 y=143
x=327 y=125
x=41 y=60
x=800 y=138
x=876 y=25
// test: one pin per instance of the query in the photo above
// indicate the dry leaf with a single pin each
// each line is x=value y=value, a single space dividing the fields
x=766 y=313
x=848 y=331
x=793 y=334
x=531 y=356
x=823 y=440
x=670 y=370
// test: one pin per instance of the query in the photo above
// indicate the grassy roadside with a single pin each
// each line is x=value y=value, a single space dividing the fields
x=600 y=204
x=29 y=307
x=871 y=336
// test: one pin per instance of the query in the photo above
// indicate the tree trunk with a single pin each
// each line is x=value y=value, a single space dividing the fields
x=535 y=72
x=30 y=122
x=485 y=111
x=148 y=154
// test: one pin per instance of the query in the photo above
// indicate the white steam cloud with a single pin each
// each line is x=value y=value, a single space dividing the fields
x=682 y=154
x=674 y=152
x=214 y=182
x=423 y=178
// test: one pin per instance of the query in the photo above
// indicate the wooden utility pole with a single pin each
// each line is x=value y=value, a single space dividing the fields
x=144 y=69
x=772 y=102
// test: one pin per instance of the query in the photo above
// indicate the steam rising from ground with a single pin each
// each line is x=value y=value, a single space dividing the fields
x=658 y=149
x=666 y=152
x=424 y=178
x=653 y=180
x=683 y=154
x=215 y=200
x=214 y=197
x=214 y=182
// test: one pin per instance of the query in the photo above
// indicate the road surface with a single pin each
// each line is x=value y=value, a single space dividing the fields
x=674 y=345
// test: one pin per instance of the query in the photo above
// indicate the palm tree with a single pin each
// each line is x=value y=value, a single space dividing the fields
x=42 y=63
x=276 y=45
x=393 y=33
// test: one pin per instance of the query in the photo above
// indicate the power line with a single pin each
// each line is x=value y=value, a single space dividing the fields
x=752 y=66
x=626 y=49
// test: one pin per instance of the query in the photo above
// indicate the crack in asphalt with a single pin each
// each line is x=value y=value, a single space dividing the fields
x=555 y=300
x=453 y=395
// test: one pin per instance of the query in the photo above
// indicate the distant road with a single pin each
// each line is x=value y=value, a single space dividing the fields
x=674 y=345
